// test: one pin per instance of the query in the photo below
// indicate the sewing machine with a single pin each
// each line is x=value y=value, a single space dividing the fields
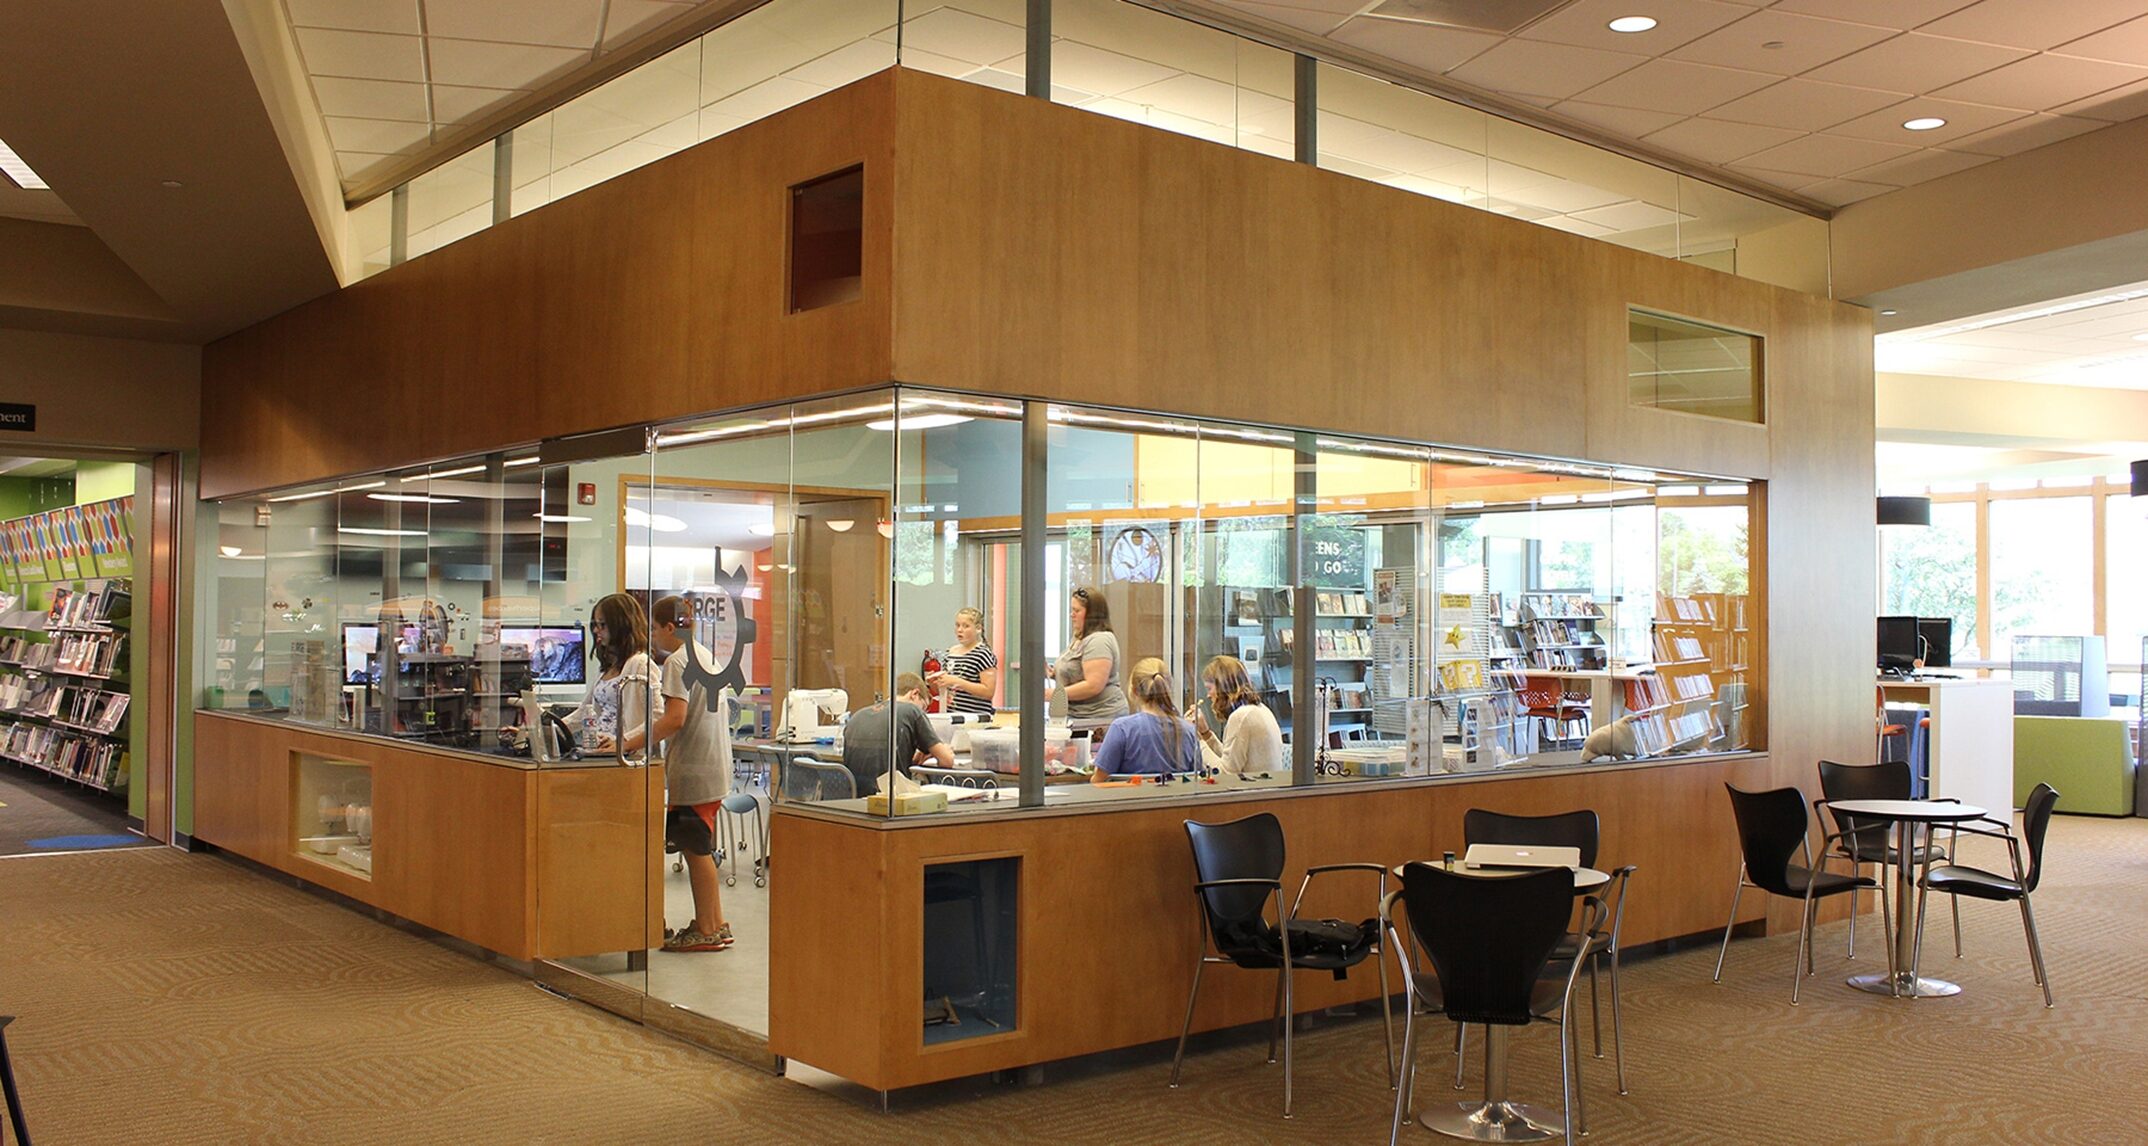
x=802 y=711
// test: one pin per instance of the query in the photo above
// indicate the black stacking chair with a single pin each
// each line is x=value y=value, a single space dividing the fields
x=1771 y=832
x=1238 y=868
x=1578 y=830
x=1955 y=880
x=1490 y=940
x=1863 y=840
x=7 y=1086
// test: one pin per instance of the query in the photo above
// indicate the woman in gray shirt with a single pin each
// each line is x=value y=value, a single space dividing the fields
x=1088 y=671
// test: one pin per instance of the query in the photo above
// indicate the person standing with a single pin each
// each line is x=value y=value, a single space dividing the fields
x=620 y=632
x=969 y=675
x=697 y=770
x=1087 y=673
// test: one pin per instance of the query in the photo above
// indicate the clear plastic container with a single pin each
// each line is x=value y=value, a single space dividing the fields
x=996 y=749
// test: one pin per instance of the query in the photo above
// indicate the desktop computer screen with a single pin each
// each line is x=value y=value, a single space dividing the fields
x=1938 y=636
x=555 y=652
x=1899 y=644
x=361 y=654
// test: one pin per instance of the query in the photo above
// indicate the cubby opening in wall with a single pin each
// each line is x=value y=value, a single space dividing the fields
x=828 y=240
x=332 y=820
x=971 y=950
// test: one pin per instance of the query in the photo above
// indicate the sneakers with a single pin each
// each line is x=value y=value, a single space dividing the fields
x=687 y=939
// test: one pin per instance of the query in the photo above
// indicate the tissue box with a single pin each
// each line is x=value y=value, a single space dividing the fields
x=907 y=804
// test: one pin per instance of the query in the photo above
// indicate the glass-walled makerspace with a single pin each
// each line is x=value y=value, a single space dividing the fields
x=1227 y=606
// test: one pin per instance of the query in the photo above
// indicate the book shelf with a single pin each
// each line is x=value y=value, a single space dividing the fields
x=1558 y=630
x=65 y=617
x=1701 y=644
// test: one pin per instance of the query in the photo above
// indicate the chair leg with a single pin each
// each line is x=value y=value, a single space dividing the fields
x=1954 y=904
x=1275 y=1027
x=1289 y=1012
x=1916 y=947
x=1387 y=1018
x=1851 y=951
x=1409 y=1070
x=1191 y=996
x=1596 y=1008
x=1737 y=890
x=1618 y=1029
x=1804 y=950
x=1577 y=1108
x=13 y=1097
x=2036 y=950
x=1461 y=1059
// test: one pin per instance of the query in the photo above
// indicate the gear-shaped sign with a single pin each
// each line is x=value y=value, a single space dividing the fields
x=722 y=626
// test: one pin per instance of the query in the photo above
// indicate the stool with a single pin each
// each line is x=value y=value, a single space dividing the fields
x=733 y=837
x=7 y=1084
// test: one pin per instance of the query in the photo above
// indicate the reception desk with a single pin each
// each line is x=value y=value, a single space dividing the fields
x=1969 y=751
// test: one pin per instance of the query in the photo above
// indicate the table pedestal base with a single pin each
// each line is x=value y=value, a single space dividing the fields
x=1494 y=1122
x=1906 y=985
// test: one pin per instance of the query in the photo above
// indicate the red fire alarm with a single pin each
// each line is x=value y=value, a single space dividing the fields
x=585 y=493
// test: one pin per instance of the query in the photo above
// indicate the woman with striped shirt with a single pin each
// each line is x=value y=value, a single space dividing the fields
x=969 y=673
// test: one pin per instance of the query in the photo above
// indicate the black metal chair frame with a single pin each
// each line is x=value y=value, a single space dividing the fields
x=1575 y=1108
x=2024 y=880
x=7 y=1087
x=1593 y=944
x=1779 y=884
x=1868 y=841
x=1285 y=1010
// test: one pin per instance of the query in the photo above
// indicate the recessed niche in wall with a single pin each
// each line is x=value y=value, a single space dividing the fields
x=333 y=817
x=970 y=948
x=827 y=240
x=1678 y=364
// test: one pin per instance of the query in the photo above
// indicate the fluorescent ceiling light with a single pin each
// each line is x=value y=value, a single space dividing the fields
x=654 y=522
x=920 y=421
x=417 y=497
x=380 y=532
x=2018 y=316
x=19 y=171
x=327 y=492
x=1924 y=123
x=1632 y=23
x=559 y=518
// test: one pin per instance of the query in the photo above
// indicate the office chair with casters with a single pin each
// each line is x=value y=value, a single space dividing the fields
x=1863 y=840
x=1578 y=830
x=1956 y=880
x=1771 y=832
x=1238 y=869
x=1490 y=941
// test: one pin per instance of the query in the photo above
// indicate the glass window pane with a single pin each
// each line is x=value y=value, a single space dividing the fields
x=784 y=54
x=981 y=41
x=1556 y=182
x=2040 y=569
x=452 y=201
x=1390 y=134
x=1126 y=61
x=1676 y=364
x=1931 y=572
x=2126 y=555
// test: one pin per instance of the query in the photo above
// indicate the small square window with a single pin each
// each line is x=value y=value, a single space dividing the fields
x=1677 y=364
x=827 y=240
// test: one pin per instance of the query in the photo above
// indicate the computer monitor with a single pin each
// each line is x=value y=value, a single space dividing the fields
x=1938 y=635
x=1899 y=645
x=555 y=651
x=361 y=654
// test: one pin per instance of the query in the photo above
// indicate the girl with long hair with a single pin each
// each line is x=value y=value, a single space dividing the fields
x=1252 y=741
x=619 y=630
x=1155 y=739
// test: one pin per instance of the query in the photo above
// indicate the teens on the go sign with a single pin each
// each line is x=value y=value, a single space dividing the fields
x=18 y=416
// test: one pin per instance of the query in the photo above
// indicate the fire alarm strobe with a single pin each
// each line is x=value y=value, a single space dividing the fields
x=585 y=493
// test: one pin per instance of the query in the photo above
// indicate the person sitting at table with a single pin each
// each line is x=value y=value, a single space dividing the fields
x=1154 y=739
x=889 y=731
x=1252 y=741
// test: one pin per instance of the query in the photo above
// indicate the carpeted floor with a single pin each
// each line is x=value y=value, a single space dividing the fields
x=42 y=813
x=180 y=999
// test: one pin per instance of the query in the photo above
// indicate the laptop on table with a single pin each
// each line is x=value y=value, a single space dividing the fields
x=1518 y=857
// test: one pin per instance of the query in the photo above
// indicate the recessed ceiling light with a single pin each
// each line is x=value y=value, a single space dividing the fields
x=1924 y=123
x=1772 y=45
x=1633 y=23
x=1890 y=313
x=173 y=183
x=19 y=171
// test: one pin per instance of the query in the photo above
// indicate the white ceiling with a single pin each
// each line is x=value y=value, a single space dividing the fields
x=1805 y=95
x=2096 y=339
x=40 y=204
x=393 y=76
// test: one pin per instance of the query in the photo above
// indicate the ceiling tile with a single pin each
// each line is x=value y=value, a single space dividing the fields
x=1306 y=19
x=2026 y=134
x=1719 y=141
x=960 y=35
x=1575 y=226
x=370 y=99
x=2125 y=44
x=1632 y=123
x=2036 y=24
x=471 y=63
x=1677 y=86
x=626 y=19
x=379 y=136
x=1526 y=67
x=1426 y=46
x=1902 y=14
x=357 y=15
x=1842 y=192
x=1826 y=156
x=2043 y=82
x=1931 y=163
x=1629 y=216
x=1584 y=23
x=1805 y=105
x=2114 y=106
x=1562 y=196
x=362 y=55
x=1783 y=179
x=1915 y=63
x=1803 y=43
x=453 y=104
x=1962 y=119
x=557 y=23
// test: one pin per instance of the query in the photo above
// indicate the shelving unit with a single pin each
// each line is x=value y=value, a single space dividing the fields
x=64 y=628
x=1558 y=630
x=1701 y=643
x=1475 y=681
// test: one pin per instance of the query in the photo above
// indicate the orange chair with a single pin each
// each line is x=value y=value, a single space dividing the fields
x=1544 y=698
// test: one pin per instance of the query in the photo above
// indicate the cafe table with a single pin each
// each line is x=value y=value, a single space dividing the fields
x=1907 y=816
x=1496 y=1119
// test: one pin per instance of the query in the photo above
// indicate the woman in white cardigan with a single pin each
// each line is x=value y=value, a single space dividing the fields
x=1252 y=741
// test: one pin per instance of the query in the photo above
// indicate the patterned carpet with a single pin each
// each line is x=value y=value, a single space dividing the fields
x=180 y=999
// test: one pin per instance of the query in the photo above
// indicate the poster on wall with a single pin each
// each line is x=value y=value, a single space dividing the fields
x=67 y=538
x=1334 y=553
x=116 y=521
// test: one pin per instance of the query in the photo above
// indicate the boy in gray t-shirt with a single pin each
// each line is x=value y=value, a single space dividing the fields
x=697 y=772
x=897 y=731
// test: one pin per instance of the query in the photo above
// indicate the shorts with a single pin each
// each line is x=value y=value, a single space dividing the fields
x=691 y=828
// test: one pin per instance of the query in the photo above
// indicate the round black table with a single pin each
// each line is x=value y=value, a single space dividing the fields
x=1907 y=816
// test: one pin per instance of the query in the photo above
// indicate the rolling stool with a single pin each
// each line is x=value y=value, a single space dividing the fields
x=732 y=837
x=7 y=1083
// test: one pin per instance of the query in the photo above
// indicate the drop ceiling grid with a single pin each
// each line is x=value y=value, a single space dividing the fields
x=2087 y=343
x=1820 y=114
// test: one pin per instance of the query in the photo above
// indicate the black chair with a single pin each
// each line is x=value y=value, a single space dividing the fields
x=1771 y=831
x=1238 y=868
x=1490 y=941
x=1957 y=880
x=1578 y=830
x=7 y=1086
x=1863 y=840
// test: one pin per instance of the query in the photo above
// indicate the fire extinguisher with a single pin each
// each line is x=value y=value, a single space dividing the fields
x=927 y=668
